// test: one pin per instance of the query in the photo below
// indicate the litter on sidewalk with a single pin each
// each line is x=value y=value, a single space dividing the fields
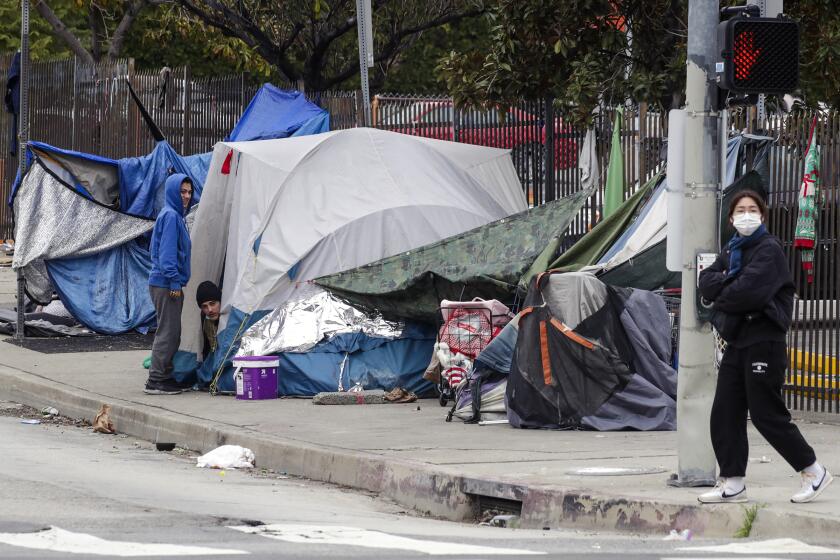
x=102 y=423
x=227 y=457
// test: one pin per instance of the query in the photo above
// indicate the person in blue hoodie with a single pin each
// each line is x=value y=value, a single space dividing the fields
x=170 y=250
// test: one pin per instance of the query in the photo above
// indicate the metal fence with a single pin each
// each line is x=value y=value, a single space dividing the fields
x=75 y=107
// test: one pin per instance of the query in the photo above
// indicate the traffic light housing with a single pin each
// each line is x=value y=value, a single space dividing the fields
x=760 y=55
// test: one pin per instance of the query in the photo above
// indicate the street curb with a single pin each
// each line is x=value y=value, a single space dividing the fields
x=425 y=488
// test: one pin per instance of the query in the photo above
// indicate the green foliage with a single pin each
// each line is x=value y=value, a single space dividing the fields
x=573 y=52
x=166 y=36
x=43 y=45
x=316 y=40
x=414 y=70
x=578 y=53
x=820 y=49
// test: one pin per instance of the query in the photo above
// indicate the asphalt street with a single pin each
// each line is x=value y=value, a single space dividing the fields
x=65 y=489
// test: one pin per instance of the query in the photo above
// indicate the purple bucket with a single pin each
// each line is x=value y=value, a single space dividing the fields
x=255 y=377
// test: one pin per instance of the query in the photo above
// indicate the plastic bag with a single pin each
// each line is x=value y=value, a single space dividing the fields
x=227 y=457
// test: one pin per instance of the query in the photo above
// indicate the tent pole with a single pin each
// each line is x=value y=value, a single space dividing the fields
x=23 y=136
x=697 y=377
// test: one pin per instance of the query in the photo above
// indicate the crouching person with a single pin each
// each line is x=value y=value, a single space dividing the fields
x=208 y=296
x=170 y=249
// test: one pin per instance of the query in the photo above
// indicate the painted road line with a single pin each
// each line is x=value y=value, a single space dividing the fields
x=774 y=546
x=351 y=536
x=55 y=539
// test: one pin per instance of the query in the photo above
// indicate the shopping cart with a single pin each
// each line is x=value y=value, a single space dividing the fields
x=673 y=299
x=466 y=329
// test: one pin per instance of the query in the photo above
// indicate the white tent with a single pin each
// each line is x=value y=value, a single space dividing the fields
x=294 y=209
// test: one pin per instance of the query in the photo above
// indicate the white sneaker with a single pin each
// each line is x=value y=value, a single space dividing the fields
x=812 y=486
x=718 y=495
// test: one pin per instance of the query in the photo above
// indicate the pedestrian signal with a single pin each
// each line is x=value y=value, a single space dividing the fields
x=760 y=55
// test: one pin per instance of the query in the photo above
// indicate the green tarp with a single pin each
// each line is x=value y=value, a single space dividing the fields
x=486 y=262
x=645 y=271
x=594 y=244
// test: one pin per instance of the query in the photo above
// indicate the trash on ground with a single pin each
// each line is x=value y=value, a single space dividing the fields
x=227 y=457
x=400 y=395
x=507 y=521
x=102 y=421
x=49 y=411
x=684 y=535
x=491 y=422
x=376 y=396
x=762 y=459
x=30 y=421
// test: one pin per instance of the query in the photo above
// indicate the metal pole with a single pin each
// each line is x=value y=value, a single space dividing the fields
x=769 y=8
x=697 y=376
x=362 y=19
x=23 y=137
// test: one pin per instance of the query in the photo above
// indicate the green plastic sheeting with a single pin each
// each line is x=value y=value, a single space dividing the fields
x=594 y=244
x=614 y=189
x=486 y=262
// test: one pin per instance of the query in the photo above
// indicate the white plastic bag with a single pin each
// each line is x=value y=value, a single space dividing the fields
x=227 y=457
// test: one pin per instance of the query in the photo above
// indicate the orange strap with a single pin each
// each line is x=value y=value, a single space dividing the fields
x=563 y=328
x=525 y=311
x=546 y=359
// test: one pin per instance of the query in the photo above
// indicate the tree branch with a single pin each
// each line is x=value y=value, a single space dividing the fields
x=96 y=32
x=395 y=43
x=63 y=33
x=233 y=25
x=117 y=40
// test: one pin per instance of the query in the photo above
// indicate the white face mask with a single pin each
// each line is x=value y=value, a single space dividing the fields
x=746 y=223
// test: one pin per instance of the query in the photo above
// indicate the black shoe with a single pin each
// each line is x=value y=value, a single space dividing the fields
x=165 y=387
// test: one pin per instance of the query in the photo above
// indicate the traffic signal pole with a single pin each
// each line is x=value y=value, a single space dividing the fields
x=697 y=376
x=23 y=138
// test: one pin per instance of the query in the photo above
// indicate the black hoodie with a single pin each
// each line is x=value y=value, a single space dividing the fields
x=762 y=292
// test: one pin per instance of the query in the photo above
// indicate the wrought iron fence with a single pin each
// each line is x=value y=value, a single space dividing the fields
x=75 y=107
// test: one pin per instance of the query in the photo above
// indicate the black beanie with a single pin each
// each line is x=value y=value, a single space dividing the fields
x=207 y=291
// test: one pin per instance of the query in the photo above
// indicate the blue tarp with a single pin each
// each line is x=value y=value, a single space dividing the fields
x=142 y=178
x=375 y=363
x=275 y=113
x=108 y=292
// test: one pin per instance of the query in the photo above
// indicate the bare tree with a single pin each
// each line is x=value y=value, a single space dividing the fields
x=315 y=40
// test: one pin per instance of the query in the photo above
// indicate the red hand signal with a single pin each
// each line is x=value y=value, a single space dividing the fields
x=745 y=55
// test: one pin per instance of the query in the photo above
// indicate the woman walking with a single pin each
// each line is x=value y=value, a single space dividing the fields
x=751 y=285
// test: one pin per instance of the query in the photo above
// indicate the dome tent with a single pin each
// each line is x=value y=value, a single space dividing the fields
x=277 y=213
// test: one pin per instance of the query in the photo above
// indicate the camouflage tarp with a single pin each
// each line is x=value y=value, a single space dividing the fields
x=486 y=262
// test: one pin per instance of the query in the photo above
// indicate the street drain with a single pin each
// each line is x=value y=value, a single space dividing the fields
x=615 y=471
x=498 y=505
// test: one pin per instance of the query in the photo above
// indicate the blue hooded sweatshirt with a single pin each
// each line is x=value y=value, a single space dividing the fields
x=170 y=245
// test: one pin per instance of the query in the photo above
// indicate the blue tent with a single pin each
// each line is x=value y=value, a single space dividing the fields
x=275 y=113
x=108 y=291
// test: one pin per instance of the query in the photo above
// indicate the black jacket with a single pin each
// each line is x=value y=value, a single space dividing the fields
x=761 y=293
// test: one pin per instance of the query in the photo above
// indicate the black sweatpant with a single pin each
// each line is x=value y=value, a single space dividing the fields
x=751 y=379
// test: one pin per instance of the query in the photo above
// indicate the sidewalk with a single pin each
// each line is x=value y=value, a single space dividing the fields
x=413 y=457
